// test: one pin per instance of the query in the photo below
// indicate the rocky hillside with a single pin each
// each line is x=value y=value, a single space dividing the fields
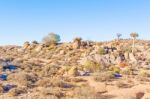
x=77 y=70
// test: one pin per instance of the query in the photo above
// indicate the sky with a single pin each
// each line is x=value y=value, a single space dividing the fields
x=98 y=20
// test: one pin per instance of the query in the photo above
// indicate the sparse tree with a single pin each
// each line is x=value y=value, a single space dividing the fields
x=118 y=36
x=51 y=38
x=134 y=35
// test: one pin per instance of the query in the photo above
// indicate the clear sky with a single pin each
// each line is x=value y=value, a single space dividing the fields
x=27 y=20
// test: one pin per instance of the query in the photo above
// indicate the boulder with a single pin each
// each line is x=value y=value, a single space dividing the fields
x=26 y=45
x=62 y=52
x=97 y=58
x=126 y=55
x=76 y=45
x=132 y=57
x=38 y=48
x=146 y=96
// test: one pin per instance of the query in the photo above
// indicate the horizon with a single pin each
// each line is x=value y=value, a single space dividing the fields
x=96 y=20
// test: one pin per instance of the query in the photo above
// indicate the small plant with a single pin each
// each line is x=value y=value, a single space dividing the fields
x=92 y=66
x=51 y=38
x=101 y=51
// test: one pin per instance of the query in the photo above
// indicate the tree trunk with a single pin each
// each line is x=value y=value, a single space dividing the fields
x=133 y=45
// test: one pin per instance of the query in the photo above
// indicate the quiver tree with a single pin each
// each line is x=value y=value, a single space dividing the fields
x=134 y=35
x=77 y=42
x=118 y=36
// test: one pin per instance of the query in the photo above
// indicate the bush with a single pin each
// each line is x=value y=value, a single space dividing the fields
x=92 y=66
x=104 y=76
x=101 y=51
x=51 y=38
x=114 y=69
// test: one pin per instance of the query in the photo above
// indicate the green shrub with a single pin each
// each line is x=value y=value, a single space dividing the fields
x=114 y=69
x=92 y=66
x=51 y=38
x=101 y=51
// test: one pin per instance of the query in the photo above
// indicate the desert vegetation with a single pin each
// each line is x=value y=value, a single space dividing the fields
x=117 y=69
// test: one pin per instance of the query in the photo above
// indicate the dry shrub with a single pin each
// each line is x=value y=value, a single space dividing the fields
x=60 y=83
x=84 y=93
x=144 y=73
x=49 y=70
x=52 y=91
x=73 y=71
x=64 y=69
x=17 y=91
x=75 y=80
x=122 y=84
x=23 y=78
x=92 y=66
x=44 y=82
x=104 y=76
x=115 y=69
x=143 y=76
x=54 y=82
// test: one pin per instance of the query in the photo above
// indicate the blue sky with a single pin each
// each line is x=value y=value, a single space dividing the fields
x=27 y=20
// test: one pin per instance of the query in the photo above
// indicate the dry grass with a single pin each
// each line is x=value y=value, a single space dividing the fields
x=104 y=76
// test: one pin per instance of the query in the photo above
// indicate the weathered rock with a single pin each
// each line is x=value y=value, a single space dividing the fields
x=126 y=55
x=62 y=52
x=139 y=95
x=146 y=96
x=76 y=45
x=39 y=48
x=132 y=57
